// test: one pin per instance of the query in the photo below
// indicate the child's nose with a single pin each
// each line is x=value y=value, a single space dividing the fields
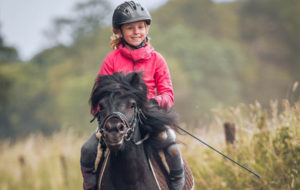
x=136 y=30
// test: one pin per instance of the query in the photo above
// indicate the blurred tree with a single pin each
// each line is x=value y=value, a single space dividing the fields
x=272 y=29
x=73 y=104
x=24 y=101
x=89 y=17
x=7 y=54
x=5 y=84
x=215 y=69
x=51 y=56
x=194 y=14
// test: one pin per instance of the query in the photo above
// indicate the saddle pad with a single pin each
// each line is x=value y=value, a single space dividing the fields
x=161 y=178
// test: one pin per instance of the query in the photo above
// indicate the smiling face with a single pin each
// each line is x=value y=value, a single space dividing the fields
x=134 y=33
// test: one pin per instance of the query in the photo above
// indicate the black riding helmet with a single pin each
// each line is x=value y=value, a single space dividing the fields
x=129 y=12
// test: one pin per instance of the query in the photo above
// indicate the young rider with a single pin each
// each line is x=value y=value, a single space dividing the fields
x=132 y=52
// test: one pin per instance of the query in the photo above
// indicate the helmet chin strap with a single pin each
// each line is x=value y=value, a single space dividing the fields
x=135 y=47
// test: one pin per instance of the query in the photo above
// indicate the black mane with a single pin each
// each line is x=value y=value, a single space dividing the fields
x=132 y=84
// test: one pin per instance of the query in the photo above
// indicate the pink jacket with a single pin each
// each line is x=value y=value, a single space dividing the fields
x=154 y=67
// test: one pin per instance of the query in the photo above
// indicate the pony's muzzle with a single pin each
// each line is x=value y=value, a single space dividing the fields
x=114 y=132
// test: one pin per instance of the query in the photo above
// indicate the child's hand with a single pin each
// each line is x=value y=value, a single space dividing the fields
x=153 y=103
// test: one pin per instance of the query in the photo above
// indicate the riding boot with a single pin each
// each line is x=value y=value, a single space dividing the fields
x=166 y=141
x=87 y=160
x=176 y=167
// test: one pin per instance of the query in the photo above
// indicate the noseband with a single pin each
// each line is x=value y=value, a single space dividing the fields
x=129 y=125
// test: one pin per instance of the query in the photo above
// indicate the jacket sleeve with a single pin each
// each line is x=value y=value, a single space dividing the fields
x=106 y=67
x=164 y=88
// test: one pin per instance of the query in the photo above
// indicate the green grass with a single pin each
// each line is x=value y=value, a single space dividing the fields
x=268 y=142
x=41 y=163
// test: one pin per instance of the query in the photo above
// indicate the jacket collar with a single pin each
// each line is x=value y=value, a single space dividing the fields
x=137 y=55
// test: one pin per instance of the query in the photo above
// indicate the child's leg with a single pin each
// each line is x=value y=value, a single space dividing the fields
x=175 y=163
x=173 y=159
x=87 y=160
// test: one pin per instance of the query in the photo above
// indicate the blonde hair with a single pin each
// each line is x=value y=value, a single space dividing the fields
x=116 y=38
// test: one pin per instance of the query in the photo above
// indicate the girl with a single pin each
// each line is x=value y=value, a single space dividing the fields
x=132 y=52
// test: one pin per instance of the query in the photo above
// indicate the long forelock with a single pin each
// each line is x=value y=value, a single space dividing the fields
x=117 y=83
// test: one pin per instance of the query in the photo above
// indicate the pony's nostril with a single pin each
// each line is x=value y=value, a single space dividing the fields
x=115 y=125
x=121 y=127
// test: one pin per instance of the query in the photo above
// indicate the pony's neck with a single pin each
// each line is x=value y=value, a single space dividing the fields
x=129 y=159
x=130 y=168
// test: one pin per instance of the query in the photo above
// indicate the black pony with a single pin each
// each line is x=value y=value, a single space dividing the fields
x=128 y=122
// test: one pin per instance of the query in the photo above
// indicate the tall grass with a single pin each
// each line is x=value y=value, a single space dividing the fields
x=41 y=163
x=268 y=143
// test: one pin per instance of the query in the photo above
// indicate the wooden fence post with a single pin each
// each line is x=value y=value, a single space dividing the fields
x=22 y=163
x=64 y=165
x=230 y=133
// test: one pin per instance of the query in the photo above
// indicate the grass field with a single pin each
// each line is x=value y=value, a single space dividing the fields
x=267 y=142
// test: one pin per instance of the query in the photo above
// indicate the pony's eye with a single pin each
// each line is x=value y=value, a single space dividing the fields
x=101 y=107
x=121 y=128
x=133 y=105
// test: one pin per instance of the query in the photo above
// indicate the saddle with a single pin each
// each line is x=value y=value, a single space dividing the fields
x=159 y=169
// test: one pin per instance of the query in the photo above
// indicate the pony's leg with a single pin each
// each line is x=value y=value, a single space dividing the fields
x=87 y=160
x=173 y=158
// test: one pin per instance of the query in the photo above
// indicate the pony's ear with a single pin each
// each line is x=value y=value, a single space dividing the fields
x=135 y=78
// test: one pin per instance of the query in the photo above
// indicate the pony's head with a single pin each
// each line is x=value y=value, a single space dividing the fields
x=119 y=99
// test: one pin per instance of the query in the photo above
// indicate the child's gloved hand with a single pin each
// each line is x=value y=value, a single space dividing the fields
x=153 y=103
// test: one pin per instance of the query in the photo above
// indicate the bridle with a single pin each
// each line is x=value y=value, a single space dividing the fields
x=130 y=126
